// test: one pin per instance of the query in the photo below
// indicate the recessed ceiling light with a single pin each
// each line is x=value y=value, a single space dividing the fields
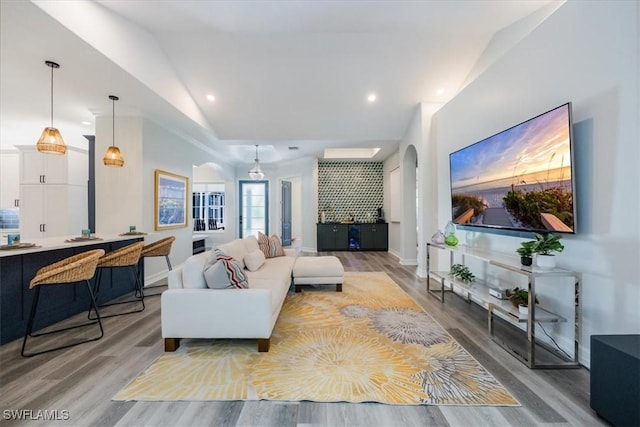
x=86 y=123
x=211 y=98
x=440 y=91
x=372 y=97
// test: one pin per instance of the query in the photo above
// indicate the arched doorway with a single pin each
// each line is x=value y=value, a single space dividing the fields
x=409 y=242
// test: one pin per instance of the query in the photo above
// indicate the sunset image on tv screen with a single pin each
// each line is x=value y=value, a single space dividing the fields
x=519 y=178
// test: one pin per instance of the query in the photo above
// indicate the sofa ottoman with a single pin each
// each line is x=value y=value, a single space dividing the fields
x=321 y=270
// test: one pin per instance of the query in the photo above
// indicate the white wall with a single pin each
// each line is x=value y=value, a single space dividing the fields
x=166 y=151
x=586 y=53
x=119 y=190
x=420 y=136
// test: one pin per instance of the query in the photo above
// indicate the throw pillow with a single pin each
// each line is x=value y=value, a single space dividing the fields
x=270 y=246
x=216 y=277
x=236 y=249
x=234 y=270
x=254 y=260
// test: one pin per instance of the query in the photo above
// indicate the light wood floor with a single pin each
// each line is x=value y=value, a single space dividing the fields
x=82 y=379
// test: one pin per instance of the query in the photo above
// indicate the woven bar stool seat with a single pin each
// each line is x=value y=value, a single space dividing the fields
x=125 y=257
x=160 y=248
x=77 y=268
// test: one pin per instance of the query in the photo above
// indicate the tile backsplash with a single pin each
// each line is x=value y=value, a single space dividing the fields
x=9 y=218
x=350 y=188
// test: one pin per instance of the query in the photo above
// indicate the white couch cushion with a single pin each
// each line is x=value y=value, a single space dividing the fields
x=193 y=271
x=254 y=259
x=278 y=268
x=251 y=243
x=235 y=249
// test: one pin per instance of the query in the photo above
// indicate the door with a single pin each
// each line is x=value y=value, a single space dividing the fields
x=286 y=213
x=254 y=208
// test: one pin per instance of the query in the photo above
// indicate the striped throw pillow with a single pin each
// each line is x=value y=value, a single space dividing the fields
x=271 y=247
x=234 y=270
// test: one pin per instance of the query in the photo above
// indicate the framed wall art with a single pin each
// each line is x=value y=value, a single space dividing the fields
x=171 y=207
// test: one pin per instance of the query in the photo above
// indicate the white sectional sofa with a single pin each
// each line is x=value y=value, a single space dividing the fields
x=191 y=310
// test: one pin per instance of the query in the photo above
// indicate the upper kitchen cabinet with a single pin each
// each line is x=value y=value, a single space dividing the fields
x=53 y=192
x=37 y=168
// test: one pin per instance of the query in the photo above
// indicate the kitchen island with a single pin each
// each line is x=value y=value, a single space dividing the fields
x=57 y=302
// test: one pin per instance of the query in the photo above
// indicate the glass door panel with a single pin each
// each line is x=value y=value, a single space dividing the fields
x=254 y=211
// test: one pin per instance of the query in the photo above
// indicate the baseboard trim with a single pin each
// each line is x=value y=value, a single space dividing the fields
x=150 y=280
x=394 y=253
x=409 y=261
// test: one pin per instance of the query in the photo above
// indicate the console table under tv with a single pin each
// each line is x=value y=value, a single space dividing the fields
x=478 y=292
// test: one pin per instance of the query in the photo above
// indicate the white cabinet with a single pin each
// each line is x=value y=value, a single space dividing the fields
x=477 y=291
x=10 y=186
x=38 y=168
x=53 y=193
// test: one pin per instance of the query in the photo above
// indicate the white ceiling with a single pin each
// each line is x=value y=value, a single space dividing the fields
x=283 y=72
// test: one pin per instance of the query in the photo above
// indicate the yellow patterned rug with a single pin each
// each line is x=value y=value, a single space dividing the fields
x=369 y=343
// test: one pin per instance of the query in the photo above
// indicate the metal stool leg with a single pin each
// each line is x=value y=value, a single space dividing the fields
x=29 y=331
x=138 y=295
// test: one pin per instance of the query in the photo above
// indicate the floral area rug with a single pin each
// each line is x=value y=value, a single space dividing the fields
x=369 y=343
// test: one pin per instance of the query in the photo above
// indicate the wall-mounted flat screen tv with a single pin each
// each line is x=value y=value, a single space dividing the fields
x=519 y=179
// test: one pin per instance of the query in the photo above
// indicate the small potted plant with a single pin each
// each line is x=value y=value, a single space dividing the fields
x=526 y=251
x=520 y=299
x=545 y=245
x=462 y=272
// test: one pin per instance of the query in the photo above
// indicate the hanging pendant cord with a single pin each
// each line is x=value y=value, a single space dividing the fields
x=113 y=115
x=51 y=96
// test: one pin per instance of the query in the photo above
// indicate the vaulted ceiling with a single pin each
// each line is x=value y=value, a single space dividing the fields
x=283 y=73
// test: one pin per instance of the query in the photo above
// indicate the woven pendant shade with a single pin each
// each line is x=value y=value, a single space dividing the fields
x=51 y=142
x=113 y=157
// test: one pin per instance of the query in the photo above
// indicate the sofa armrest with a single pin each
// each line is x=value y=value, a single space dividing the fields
x=175 y=278
x=217 y=313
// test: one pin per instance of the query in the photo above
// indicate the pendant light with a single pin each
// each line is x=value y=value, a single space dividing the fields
x=113 y=157
x=51 y=141
x=256 y=173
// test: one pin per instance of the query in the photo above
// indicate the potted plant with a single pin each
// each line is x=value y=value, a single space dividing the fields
x=526 y=251
x=545 y=245
x=520 y=299
x=462 y=272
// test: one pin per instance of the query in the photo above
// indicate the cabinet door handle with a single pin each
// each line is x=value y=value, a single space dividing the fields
x=44 y=228
x=16 y=203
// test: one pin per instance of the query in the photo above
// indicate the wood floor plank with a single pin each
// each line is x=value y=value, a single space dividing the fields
x=83 y=379
x=543 y=412
x=224 y=414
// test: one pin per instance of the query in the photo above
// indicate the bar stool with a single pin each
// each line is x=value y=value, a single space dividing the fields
x=77 y=268
x=125 y=257
x=160 y=248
